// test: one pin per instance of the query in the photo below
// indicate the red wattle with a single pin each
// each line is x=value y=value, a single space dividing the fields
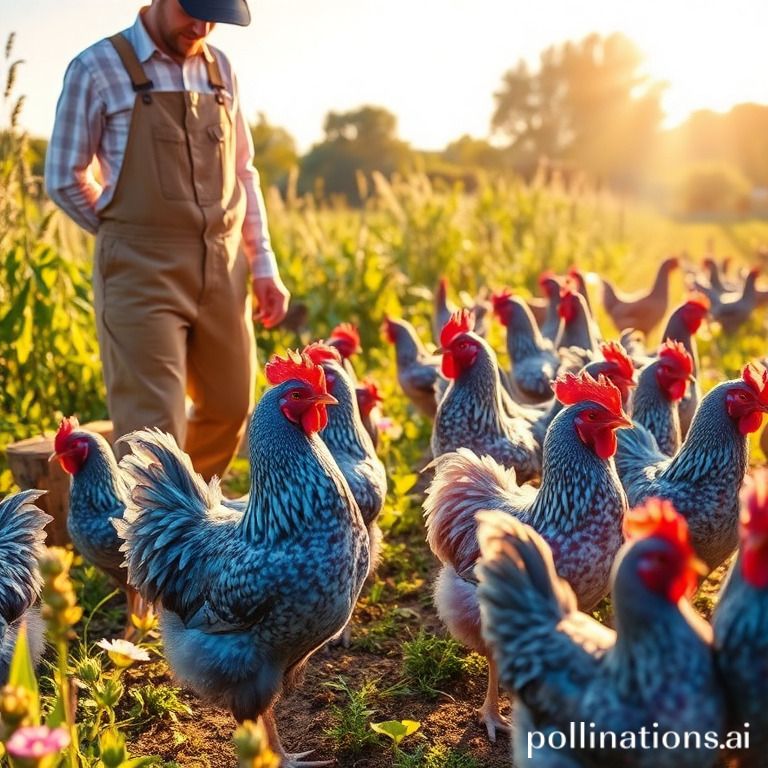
x=314 y=419
x=754 y=567
x=676 y=389
x=449 y=367
x=751 y=422
x=605 y=443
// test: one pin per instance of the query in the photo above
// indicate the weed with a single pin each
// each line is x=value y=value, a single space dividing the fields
x=351 y=732
x=430 y=662
x=156 y=702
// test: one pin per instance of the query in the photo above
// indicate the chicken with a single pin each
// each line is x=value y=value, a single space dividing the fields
x=682 y=326
x=444 y=309
x=578 y=509
x=368 y=399
x=643 y=311
x=346 y=339
x=545 y=310
x=656 y=672
x=418 y=372
x=733 y=310
x=99 y=493
x=660 y=387
x=576 y=275
x=247 y=597
x=703 y=478
x=740 y=624
x=22 y=535
x=476 y=411
x=576 y=327
x=533 y=358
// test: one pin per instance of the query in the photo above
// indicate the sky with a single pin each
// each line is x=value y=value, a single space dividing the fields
x=435 y=64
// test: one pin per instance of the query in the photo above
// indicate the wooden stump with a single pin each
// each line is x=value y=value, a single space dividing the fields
x=28 y=461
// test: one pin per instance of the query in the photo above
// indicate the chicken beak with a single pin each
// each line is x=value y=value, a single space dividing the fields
x=699 y=566
x=624 y=422
x=325 y=399
x=53 y=456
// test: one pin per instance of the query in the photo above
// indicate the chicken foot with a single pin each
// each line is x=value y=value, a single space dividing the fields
x=488 y=714
x=293 y=760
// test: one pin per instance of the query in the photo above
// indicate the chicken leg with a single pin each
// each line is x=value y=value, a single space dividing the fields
x=287 y=760
x=488 y=714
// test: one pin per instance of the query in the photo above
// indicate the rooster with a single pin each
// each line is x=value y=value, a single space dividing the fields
x=703 y=478
x=418 y=372
x=476 y=411
x=578 y=509
x=655 y=672
x=643 y=311
x=99 y=493
x=22 y=535
x=660 y=387
x=247 y=597
x=733 y=310
x=368 y=399
x=740 y=624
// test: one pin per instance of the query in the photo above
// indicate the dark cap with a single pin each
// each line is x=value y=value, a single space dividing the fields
x=222 y=11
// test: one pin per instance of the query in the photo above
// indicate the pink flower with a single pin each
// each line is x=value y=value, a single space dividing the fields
x=33 y=743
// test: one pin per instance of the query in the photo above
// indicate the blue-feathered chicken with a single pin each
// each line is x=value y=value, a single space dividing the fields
x=740 y=623
x=682 y=326
x=545 y=310
x=578 y=509
x=418 y=372
x=476 y=412
x=661 y=385
x=655 y=672
x=21 y=546
x=703 y=478
x=99 y=492
x=577 y=330
x=246 y=598
x=351 y=447
x=444 y=308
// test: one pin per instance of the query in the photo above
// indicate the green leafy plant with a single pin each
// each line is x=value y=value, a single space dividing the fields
x=350 y=732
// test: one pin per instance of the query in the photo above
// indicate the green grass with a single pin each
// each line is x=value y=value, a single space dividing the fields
x=351 y=732
x=430 y=663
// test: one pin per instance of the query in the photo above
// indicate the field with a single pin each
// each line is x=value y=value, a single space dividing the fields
x=341 y=265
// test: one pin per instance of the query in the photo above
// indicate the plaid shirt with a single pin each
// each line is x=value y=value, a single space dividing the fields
x=93 y=118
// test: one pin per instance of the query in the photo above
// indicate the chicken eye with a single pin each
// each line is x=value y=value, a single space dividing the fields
x=295 y=395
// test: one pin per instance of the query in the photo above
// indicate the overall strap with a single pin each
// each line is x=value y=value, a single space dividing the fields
x=141 y=83
x=214 y=74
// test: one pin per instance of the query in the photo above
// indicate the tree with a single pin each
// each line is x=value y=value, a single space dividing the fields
x=274 y=153
x=587 y=105
x=361 y=141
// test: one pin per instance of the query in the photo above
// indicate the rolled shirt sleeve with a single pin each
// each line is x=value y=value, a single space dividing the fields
x=256 y=242
x=69 y=177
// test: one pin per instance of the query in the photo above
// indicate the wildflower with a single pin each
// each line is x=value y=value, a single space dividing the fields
x=36 y=746
x=14 y=704
x=60 y=609
x=252 y=746
x=122 y=652
x=146 y=623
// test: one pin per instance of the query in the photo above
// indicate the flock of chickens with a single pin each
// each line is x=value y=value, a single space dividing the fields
x=588 y=468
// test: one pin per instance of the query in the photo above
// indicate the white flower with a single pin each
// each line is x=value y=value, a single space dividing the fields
x=122 y=652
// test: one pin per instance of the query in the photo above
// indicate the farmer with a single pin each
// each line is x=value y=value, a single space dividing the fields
x=150 y=151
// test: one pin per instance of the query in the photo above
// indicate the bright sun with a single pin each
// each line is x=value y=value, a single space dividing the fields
x=708 y=54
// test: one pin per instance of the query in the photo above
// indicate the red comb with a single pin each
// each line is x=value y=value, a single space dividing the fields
x=571 y=389
x=756 y=377
x=319 y=352
x=295 y=366
x=567 y=289
x=658 y=518
x=370 y=386
x=348 y=335
x=700 y=300
x=500 y=299
x=614 y=353
x=674 y=352
x=462 y=321
x=66 y=428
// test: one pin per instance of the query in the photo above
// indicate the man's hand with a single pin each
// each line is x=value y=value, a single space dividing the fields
x=270 y=300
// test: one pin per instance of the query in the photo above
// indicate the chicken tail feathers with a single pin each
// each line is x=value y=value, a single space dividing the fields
x=168 y=506
x=522 y=599
x=464 y=484
x=22 y=538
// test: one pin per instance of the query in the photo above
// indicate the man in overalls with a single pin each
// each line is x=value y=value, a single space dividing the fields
x=151 y=152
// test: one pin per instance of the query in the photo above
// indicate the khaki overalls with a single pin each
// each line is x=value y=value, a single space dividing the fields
x=171 y=287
